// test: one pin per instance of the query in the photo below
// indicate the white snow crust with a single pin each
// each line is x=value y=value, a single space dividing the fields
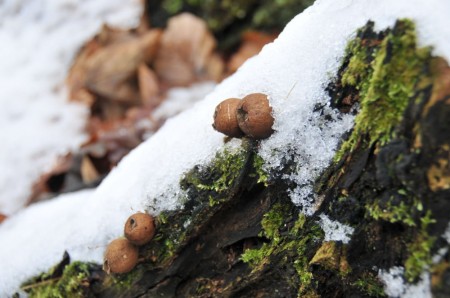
x=334 y=230
x=396 y=287
x=39 y=39
x=182 y=98
x=293 y=71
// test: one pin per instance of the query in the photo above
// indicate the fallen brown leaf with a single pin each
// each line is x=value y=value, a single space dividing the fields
x=252 y=43
x=185 y=51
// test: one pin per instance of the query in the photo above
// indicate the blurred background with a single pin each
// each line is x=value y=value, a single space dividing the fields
x=83 y=82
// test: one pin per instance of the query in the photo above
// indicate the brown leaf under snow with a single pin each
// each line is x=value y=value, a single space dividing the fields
x=187 y=48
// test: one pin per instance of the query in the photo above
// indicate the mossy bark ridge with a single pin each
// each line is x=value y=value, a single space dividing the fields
x=239 y=235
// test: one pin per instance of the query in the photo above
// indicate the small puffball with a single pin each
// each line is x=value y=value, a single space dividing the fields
x=139 y=228
x=254 y=116
x=121 y=256
x=225 y=120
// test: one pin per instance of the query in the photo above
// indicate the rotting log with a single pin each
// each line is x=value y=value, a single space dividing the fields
x=239 y=234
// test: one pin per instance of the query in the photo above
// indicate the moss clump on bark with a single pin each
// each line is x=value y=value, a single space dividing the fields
x=73 y=282
x=377 y=182
x=288 y=244
x=387 y=76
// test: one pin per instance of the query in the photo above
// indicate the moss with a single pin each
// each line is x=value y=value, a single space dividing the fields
x=420 y=250
x=123 y=282
x=206 y=188
x=169 y=236
x=219 y=15
x=259 y=172
x=292 y=245
x=220 y=175
x=386 y=84
x=73 y=283
x=382 y=164
x=370 y=285
x=400 y=208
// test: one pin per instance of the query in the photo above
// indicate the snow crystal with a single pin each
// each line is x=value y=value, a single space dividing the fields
x=293 y=71
x=396 y=287
x=39 y=39
x=334 y=230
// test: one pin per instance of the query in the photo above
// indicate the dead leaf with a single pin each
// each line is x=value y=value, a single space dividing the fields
x=185 y=51
x=88 y=171
x=252 y=43
x=107 y=67
x=148 y=86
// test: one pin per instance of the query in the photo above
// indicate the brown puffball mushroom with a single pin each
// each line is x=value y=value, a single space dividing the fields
x=139 y=228
x=254 y=116
x=121 y=256
x=225 y=120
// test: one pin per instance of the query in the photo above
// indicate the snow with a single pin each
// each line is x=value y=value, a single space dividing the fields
x=181 y=98
x=293 y=71
x=396 y=287
x=334 y=230
x=38 y=40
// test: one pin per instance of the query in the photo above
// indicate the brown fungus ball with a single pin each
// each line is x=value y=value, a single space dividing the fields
x=139 y=228
x=121 y=256
x=254 y=116
x=225 y=120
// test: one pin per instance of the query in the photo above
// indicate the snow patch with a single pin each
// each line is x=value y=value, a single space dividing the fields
x=39 y=39
x=396 y=287
x=334 y=230
x=180 y=99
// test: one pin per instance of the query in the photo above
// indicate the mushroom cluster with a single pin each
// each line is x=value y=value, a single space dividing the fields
x=121 y=255
x=251 y=117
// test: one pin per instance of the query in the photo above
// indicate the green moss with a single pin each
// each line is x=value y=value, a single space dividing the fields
x=271 y=224
x=292 y=245
x=370 y=285
x=168 y=238
x=221 y=174
x=386 y=83
x=73 y=283
x=404 y=211
x=420 y=250
x=260 y=173
x=123 y=282
x=221 y=14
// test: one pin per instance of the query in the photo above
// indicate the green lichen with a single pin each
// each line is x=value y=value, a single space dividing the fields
x=386 y=84
x=72 y=283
